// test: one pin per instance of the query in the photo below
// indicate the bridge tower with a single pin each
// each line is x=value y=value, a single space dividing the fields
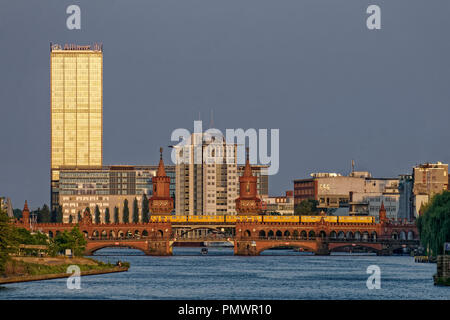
x=248 y=202
x=382 y=213
x=25 y=214
x=161 y=202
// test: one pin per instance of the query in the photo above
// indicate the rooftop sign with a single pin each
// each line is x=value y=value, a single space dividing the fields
x=72 y=46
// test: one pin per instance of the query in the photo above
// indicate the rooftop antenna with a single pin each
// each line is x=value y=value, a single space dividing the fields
x=211 y=121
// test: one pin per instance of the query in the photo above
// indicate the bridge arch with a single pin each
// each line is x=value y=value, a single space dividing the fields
x=262 y=234
x=322 y=234
x=333 y=234
x=270 y=234
x=368 y=246
x=310 y=247
x=365 y=236
x=402 y=235
x=303 y=234
x=374 y=236
x=279 y=233
x=95 y=247
x=349 y=235
x=311 y=235
x=341 y=235
x=410 y=235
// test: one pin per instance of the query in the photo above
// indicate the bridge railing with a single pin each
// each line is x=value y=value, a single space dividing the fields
x=331 y=239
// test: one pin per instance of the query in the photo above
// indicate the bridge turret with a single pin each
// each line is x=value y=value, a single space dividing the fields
x=25 y=214
x=248 y=201
x=382 y=213
x=161 y=202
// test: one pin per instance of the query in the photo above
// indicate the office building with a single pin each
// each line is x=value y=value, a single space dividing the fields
x=429 y=179
x=206 y=177
x=76 y=106
x=107 y=187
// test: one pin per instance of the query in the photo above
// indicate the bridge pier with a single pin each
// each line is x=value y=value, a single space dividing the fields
x=322 y=248
x=245 y=248
x=386 y=250
x=159 y=248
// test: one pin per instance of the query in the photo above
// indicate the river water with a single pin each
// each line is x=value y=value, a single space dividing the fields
x=276 y=274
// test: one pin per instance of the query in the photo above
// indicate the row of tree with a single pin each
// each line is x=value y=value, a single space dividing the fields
x=115 y=218
x=43 y=215
x=434 y=223
x=11 y=237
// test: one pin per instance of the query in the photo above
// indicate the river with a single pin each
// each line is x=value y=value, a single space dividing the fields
x=276 y=274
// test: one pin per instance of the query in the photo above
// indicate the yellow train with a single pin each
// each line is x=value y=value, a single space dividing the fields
x=259 y=218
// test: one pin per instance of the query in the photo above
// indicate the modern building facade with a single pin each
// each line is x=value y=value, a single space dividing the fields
x=206 y=177
x=284 y=205
x=6 y=205
x=107 y=187
x=405 y=187
x=429 y=179
x=356 y=194
x=76 y=109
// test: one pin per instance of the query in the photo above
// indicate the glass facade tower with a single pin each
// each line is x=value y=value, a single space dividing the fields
x=76 y=84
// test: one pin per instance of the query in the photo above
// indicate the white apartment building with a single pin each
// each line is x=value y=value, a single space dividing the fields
x=206 y=176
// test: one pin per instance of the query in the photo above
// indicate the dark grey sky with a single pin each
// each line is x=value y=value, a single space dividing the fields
x=311 y=68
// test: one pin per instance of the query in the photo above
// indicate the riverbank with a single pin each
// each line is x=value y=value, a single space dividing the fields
x=442 y=276
x=24 y=269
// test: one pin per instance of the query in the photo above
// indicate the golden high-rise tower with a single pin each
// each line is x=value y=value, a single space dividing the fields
x=76 y=85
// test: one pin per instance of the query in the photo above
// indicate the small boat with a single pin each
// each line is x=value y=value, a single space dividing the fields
x=204 y=250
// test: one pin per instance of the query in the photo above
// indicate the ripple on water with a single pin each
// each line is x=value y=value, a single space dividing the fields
x=278 y=274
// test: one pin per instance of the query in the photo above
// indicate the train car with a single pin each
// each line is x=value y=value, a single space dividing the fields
x=280 y=218
x=331 y=219
x=206 y=219
x=176 y=218
x=230 y=218
x=159 y=218
x=310 y=218
x=249 y=218
x=355 y=219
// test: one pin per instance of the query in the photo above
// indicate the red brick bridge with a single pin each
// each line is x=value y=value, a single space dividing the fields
x=157 y=238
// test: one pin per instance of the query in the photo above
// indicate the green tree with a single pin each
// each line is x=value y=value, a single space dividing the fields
x=107 y=216
x=434 y=223
x=70 y=219
x=44 y=215
x=97 y=215
x=23 y=236
x=79 y=216
x=8 y=242
x=73 y=239
x=17 y=213
x=59 y=215
x=307 y=207
x=116 y=215
x=126 y=212
x=135 y=211
x=145 y=209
